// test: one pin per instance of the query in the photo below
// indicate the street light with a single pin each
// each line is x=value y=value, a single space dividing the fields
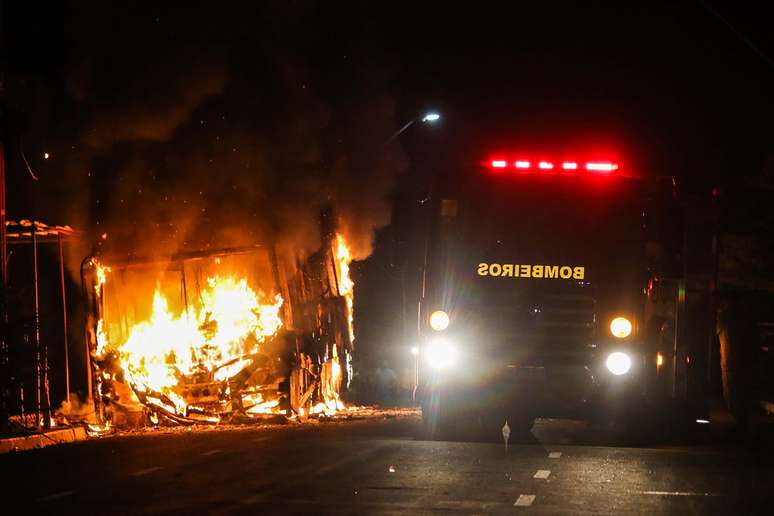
x=429 y=117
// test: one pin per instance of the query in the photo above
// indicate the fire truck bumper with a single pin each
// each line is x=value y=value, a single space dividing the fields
x=523 y=393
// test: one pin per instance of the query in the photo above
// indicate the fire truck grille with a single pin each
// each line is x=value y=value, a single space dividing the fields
x=550 y=324
x=565 y=316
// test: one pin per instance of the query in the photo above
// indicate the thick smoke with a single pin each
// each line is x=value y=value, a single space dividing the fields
x=172 y=90
x=181 y=149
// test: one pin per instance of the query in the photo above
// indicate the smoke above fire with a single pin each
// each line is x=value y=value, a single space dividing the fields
x=207 y=144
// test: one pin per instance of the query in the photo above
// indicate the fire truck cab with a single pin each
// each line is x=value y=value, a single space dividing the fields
x=535 y=295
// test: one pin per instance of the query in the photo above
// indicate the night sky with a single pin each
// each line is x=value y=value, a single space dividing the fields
x=210 y=124
x=283 y=102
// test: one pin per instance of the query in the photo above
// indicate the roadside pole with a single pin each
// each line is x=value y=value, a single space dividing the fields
x=64 y=318
x=4 y=351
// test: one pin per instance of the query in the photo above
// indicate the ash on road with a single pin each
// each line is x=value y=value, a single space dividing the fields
x=376 y=466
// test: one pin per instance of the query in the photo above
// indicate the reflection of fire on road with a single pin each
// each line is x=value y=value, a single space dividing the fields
x=230 y=335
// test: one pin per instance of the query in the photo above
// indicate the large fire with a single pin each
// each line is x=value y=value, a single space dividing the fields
x=217 y=339
x=212 y=342
x=230 y=325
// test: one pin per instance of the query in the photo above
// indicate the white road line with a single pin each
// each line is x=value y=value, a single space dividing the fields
x=542 y=474
x=678 y=493
x=55 y=496
x=211 y=452
x=467 y=505
x=554 y=455
x=524 y=500
x=146 y=471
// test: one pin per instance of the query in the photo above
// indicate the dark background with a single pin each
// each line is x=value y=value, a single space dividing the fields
x=174 y=127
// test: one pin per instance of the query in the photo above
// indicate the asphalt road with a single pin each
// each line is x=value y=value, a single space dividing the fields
x=378 y=467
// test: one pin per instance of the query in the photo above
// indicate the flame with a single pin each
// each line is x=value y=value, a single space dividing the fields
x=346 y=285
x=212 y=341
x=331 y=377
x=255 y=404
x=102 y=271
x=101 y=337
x=230 y=325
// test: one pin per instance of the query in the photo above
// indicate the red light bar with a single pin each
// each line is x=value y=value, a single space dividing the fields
x=569 y=165
x=600 y=167
x=545 y=165
x=604 y=167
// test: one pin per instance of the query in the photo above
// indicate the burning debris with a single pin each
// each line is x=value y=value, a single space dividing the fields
x=222 y=336
x=346 y=285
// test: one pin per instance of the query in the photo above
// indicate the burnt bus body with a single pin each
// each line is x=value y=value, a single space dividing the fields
x=531 y=269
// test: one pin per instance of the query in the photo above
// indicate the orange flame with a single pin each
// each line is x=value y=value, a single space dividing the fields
x=330 y=389
x=228 y=328
x=346 y=285
x=102 y=272
x=216 y=339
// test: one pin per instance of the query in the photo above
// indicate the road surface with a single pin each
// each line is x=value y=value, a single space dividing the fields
x=378 y=467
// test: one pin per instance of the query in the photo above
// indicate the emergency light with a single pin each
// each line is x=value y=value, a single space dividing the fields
x=600 y=167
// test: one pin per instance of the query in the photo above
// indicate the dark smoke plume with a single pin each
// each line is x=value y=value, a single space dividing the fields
x=179 y=143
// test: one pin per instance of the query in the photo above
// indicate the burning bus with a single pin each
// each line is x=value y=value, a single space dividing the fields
x=535 y=299
x=224 y=335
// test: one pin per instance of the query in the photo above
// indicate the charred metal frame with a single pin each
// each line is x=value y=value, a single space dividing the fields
x=95 y=304
x=314 y=314
x=26 y=232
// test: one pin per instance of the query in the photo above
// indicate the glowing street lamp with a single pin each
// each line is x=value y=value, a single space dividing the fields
x=430 y=117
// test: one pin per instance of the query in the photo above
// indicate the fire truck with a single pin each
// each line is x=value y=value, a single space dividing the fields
x=550 y=289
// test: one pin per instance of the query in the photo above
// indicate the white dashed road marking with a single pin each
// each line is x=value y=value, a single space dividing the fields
x=524 y=501
x=55 y=496
x=542 y=473
x=467 y=505
x=678 y=493
x=554 y=455
x=146 y=471
x=211 y=452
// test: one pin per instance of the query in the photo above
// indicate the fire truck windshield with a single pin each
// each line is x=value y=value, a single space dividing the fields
x=544 y=257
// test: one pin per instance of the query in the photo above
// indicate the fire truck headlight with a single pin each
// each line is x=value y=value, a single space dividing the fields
x=439 y=320
x=440 y=353
x=618 y=363
x=621 y=327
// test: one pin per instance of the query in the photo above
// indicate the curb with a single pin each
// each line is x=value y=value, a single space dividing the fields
x=29 y=442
